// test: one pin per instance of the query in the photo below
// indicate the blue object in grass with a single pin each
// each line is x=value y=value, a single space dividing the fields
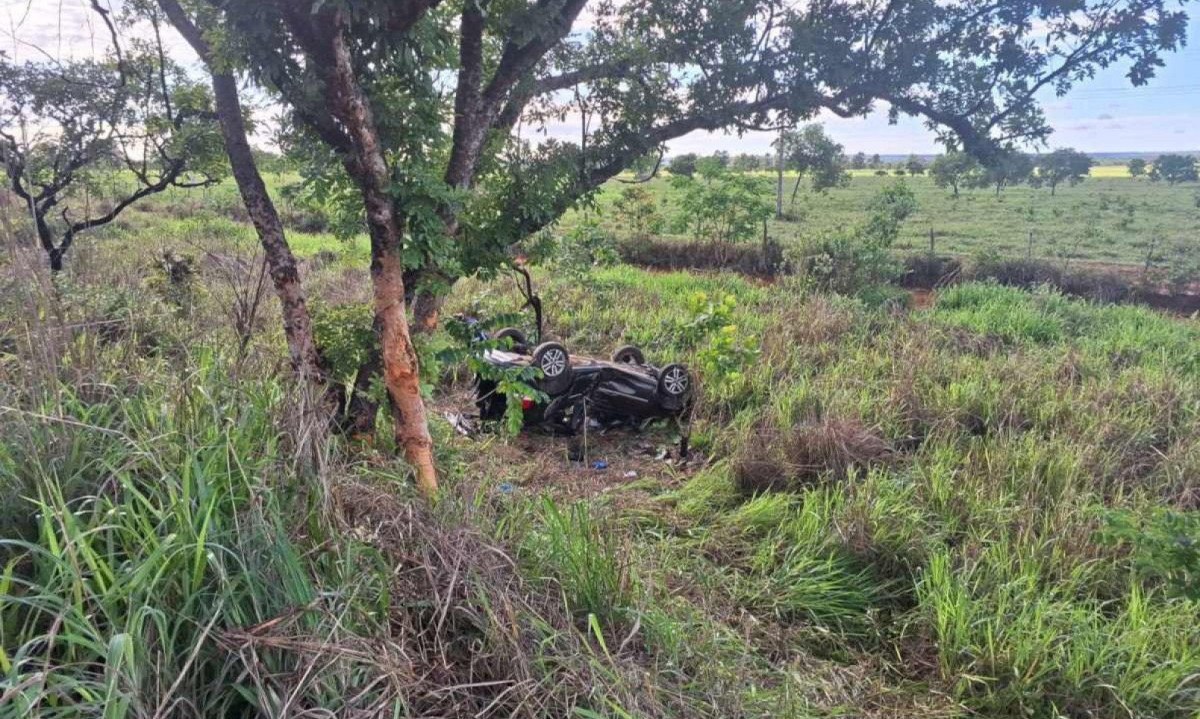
x=506 y=488
x=599 y=465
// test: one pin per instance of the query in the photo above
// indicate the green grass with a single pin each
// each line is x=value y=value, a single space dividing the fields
x=985 y=508
x=1107 y=218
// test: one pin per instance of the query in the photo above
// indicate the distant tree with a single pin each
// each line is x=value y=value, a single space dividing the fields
x=812 y=154
x=859 y=161
x=914 y=165
x=721 y=157
x=1137 y=167
x=746 y=163
x=683 y=164
x=876 y=162
x=1174 y=169
x=1011 y=168
x=65 y=124
x=955 y=170
x=899 y=172
x=1063 y=165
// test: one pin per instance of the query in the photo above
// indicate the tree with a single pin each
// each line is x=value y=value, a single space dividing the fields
x=683 y=164
x=914 y=165
x=876 y=162
x=859 y=161
x=1062 y=165
x=955 y=170
x=721 y=206
x=281 y=262
x=746 y=163
x=1137 y=167
x=1174 y=169
x=813 y=154
x=65 y=126
x=1011 y=168
x=416 y=105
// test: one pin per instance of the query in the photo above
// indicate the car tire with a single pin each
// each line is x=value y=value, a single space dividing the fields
x=629 y=354
x=519 y=343
x=674 y=387
x=555 y=363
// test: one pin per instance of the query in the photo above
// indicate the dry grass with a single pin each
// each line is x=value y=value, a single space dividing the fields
x=827 y=449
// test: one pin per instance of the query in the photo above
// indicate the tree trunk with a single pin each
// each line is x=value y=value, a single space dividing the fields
x=779 y=182
x=281 y=263
x=368 y=167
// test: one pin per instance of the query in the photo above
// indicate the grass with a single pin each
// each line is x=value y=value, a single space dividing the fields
x=1108 y=218
x=983 y=508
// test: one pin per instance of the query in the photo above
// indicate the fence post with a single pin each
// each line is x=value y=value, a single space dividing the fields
x=1030 y=251
x=932 y=249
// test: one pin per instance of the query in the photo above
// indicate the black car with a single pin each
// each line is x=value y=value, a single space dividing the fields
x=584 y=391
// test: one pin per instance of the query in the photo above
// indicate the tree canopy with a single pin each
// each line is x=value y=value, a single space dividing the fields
x=1174 y=169
x=1063 y=165
x=65 y=126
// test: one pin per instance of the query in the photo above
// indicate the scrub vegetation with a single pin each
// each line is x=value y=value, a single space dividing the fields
x=986 y=507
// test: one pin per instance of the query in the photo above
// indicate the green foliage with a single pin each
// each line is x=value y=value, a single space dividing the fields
x=1137 y=167
x=346 y=336
x=722 y=206
x=638 y=208
x=1165 y=546
x=1174 y=169
x=848 y=261
x=586 y=558
x=683 y=165
x=955 y=170
x=1063 y=165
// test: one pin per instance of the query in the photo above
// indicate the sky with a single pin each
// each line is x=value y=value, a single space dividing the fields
x=1105 y=114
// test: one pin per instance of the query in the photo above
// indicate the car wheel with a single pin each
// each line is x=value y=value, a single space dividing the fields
x=555 y=363
x=629 y=354
x=519 y=342
x=674 y=386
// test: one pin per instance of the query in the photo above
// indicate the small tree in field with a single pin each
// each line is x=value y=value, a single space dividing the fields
x=914 y=166
x=1011 y=168
x=639 y=211
x=684 y=165
x=1063 y=165
x=1137 y=167
x=812 y=154
x=955 y=170
x=132 y=124
x=721 y=206
x=1174 y=169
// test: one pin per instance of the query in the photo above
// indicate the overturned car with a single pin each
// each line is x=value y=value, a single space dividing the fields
x=585 y=391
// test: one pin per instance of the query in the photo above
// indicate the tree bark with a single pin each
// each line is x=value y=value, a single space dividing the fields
x=779 y=181
x=369 y=169
x=281 y=262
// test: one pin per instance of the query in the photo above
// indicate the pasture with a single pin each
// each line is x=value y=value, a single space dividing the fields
x=1108 y=218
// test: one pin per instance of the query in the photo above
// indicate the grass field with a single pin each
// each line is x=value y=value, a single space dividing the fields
x=1110 y=217
x=989 y=507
